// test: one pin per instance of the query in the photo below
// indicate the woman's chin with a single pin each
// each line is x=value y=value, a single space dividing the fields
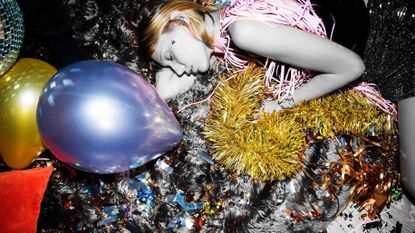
x=203 y=69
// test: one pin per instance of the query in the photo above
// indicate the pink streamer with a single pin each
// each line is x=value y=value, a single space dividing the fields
x=371 y=92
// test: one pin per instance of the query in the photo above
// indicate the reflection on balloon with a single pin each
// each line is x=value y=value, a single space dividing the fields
x=102 y=117
x=20 y=88
x=11 y=33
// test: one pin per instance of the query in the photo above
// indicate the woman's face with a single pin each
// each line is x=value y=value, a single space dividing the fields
x=179 y=50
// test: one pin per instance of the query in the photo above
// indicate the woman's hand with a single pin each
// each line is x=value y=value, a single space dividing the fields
x=270 y=106
x=168 y=84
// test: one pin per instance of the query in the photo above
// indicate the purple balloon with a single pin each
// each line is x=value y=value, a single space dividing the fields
x=102 y=117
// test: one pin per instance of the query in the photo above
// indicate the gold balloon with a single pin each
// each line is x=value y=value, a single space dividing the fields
x=20 y=89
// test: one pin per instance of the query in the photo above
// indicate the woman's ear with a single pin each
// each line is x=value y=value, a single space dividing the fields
x=179 y=15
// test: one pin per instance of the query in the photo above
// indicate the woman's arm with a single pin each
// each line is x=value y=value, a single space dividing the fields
x=338 y=65
x=168 y=84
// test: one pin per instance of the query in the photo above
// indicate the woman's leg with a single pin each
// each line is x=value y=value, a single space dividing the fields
x=406 y=122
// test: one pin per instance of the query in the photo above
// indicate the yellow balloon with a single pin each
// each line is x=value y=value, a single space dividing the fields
x=20 y=89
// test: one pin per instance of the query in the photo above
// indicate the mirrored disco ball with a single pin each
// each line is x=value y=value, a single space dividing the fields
x=11 y=33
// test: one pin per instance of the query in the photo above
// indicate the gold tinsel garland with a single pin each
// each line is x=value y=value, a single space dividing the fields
x=270 y=146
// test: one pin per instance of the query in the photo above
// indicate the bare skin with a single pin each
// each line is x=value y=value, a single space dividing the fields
x=338 y=64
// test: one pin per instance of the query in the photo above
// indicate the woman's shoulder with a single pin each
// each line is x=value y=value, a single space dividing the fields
x=244 y=33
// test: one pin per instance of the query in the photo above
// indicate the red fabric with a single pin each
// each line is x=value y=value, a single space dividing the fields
x=21 y=193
